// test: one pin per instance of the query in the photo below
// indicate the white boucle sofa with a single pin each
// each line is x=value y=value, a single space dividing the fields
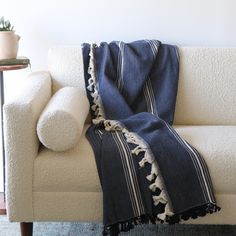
x=43 y=185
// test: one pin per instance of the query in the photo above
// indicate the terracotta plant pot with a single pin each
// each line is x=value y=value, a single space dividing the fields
x=9 y=42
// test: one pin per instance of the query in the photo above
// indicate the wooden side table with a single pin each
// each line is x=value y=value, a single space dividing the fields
x=5 y=68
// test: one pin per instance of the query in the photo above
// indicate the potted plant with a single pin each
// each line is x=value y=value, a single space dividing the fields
x=8 y=40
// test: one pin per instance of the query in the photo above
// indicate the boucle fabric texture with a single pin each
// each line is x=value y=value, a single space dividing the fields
x=59 y=171
x=207 y=85
x=206 y=82
x=50 y=186
x=64 y=190
x=66 y=67
x=21 y=144
x=61 y=123
x=87 y=206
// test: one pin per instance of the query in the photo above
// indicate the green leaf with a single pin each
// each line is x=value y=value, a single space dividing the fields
x=7 y=24
x=2 y=20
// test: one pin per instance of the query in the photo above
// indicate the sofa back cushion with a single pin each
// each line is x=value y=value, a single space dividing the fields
x=207 y=84
x=65 y=64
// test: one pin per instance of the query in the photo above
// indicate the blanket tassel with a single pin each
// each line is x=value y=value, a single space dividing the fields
x=115 y=229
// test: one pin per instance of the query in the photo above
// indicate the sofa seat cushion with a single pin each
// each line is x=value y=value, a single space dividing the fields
x=69 y=171
x=75 y=170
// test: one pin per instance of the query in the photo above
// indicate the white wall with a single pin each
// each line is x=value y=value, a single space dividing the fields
x=44 y=23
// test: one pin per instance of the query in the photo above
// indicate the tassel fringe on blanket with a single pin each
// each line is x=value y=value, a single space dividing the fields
x=141 y=146
x=127 y=225
x=124 y=142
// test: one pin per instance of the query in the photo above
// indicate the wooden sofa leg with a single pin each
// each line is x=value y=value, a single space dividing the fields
x=26 y=228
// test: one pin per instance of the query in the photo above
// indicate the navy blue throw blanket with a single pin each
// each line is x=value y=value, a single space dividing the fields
x=148 y=173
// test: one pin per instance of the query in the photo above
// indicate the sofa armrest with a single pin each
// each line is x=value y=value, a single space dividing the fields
x=21 y=144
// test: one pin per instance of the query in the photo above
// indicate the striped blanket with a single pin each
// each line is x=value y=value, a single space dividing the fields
x=148 y=173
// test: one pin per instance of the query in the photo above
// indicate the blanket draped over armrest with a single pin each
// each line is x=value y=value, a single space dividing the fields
x=147 y=171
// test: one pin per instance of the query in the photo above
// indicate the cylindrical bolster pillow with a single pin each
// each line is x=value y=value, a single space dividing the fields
x=61 y=122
